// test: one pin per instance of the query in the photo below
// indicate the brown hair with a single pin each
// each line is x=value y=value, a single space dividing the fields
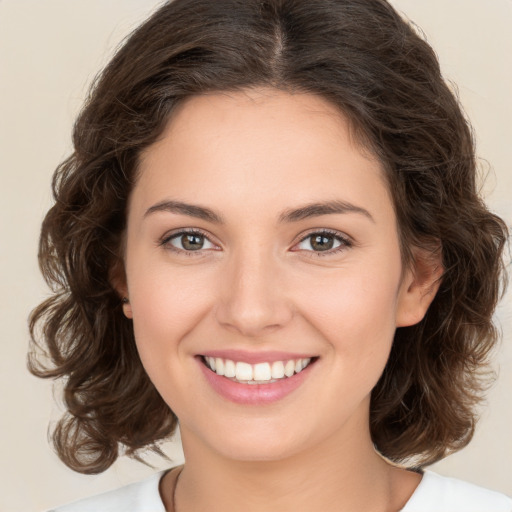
x=361 y=56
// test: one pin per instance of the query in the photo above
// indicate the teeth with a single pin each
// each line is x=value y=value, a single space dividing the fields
x=229 y=368
x=289 y=368
x=219 y=366
x=260 y=373
x=243 y=371
x=278 y=370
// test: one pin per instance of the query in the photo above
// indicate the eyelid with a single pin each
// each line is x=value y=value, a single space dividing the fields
x=165 y=239
x=346 y=241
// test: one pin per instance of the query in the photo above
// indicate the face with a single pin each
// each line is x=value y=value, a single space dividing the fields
x=260 y=233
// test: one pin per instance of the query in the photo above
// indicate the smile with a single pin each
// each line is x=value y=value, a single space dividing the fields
x=260 y=373
x=267 y=379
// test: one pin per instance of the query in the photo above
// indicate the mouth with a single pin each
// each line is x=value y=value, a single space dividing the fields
x=264 y=372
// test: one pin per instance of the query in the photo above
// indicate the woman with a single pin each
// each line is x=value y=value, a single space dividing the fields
x=269 y=231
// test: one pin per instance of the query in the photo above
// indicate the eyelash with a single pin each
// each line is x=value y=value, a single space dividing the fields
x=346 y=243
x=167 y=238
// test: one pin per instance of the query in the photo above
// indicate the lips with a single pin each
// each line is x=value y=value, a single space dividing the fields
x=255 y=378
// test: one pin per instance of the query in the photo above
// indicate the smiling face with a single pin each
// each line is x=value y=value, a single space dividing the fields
x=260 y=233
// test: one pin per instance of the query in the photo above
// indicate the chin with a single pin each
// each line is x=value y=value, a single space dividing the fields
x=251 y=441
x=259 y=450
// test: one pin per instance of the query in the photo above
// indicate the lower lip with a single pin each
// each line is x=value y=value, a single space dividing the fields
x=254 y=394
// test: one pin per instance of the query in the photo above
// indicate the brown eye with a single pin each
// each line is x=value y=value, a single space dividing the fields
x=186 y=241
x=324 y=242
x=192 y=242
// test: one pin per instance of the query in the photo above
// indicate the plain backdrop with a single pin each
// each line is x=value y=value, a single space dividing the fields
x=50 y=51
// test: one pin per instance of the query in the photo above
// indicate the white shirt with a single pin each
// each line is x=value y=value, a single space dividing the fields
x=435 y=493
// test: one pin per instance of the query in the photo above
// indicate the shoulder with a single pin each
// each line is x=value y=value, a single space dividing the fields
x=142 y=496
x=439 y=493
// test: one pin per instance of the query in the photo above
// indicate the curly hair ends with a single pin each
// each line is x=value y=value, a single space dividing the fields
x=362 y=57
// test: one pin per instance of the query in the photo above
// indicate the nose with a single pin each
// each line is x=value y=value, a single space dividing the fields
x=252 y=299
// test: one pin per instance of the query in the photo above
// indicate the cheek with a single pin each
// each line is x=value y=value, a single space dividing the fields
x=355 y=312
x=166 y=308
x=166 y=305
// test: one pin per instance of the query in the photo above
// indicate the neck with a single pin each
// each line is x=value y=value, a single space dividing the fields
x=335 y=476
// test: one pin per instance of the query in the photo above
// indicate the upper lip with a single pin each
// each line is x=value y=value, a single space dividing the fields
x=255 y=357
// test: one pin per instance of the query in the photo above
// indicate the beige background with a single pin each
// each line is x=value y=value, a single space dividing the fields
x=49 y=52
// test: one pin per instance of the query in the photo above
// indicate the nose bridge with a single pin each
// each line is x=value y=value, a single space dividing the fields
x=253 y=300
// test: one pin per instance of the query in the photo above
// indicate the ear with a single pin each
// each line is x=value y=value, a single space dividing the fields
x=419 y=285
x=118 y=281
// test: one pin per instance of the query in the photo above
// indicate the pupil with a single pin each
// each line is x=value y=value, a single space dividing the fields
x=192 y=242
x=322 y=242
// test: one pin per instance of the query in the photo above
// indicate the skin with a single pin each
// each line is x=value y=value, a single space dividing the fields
x=258 y=284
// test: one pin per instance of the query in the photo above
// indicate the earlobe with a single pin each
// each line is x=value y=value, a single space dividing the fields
x=419 y=286
x=127 y=308
x=118 y=282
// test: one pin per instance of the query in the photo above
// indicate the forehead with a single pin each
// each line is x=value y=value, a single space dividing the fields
x=257 y=147
x=257 y=111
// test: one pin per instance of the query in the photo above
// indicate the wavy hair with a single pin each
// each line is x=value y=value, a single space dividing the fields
x=362 y=57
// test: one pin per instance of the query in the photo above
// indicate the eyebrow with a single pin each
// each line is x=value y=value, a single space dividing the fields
x=323 y=208
x=192 y=210
x=290 y=215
